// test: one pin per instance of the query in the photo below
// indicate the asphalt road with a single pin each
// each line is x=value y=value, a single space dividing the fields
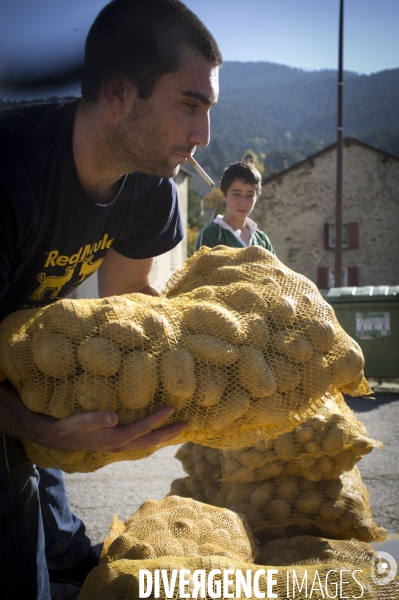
x=120 y=488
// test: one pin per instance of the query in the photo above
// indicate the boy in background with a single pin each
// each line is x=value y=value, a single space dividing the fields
x=241 y=184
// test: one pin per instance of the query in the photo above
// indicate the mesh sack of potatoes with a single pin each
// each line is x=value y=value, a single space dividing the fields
x=177 y=526
x=190 y=578
x=259 y=352
x=203 y=466
x=309 y=549
x=288 y=505
x=322 y=447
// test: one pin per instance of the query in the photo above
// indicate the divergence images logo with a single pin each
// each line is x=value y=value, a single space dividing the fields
x=383 y=568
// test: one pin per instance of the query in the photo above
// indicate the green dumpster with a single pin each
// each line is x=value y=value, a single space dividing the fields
x=370 y=315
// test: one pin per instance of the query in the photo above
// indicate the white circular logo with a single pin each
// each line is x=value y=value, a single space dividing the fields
x=383 y=568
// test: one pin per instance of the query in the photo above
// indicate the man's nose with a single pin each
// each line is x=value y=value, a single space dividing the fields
x=200 y=132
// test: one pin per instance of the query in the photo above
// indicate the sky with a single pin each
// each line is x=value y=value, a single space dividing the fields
x=41 y=35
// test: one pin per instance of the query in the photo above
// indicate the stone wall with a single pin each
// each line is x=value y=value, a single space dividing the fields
x=296 y=204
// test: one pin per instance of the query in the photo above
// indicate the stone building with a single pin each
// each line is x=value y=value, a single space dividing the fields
x=297 y=211
x=164 y=265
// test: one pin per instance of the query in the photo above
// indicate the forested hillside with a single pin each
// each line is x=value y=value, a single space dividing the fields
x=274 y=110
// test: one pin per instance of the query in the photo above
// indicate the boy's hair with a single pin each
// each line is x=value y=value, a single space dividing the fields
x=142 y=38
x=244 y=170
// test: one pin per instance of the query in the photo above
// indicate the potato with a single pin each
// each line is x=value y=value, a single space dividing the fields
x=38 y=398
x=330 y=510
x=212 y=319
x=282 y=310
x=309 y=502
x=334 y=441
x=211 y=261
x=71 y=318
x=99 y=356
x=262 y=495
x=120 y=545
x=157 y=329
x=190 y=547
x=286 y=373
x=186 y=528
x=312 y=447
x=315 y=377
x=278 y=510
x=211 y=491
x=254 y=374
x=292 y=344
x=249 y=457
x=139 y=551
x=305 y=462
x=325 y=465
x=123 y=333
x=212 y=383
x=94 y=392
x=204 y=292
x=177 y=373
x=208 y=348
x=244 y=298
x=53 y=354
x=303 y=434
x=316 y=423
x=202 y=469
x=137 y=380
x=347 y=362
x=62 y=403
x=167 y=547
x=16 y=356
x=288 y=490
x=257 y=331
x=320 y=333
x=256 y=253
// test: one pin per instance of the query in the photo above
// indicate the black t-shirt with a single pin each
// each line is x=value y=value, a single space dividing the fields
x=52 y=235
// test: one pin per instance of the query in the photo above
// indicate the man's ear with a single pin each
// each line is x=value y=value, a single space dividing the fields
x=119 y=92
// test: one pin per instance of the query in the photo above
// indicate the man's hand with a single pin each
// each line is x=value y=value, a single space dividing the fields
x=98 y=431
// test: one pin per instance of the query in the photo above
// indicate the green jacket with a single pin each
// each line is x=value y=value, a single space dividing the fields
x=213 y=235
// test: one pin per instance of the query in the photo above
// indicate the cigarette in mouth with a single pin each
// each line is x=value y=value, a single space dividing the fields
x=201 y=171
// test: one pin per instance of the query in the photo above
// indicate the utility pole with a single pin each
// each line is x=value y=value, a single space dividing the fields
x=340 y=143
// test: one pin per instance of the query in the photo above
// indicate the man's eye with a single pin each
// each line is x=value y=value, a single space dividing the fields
x=191 y=106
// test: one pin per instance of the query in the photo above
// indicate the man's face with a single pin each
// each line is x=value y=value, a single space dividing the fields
x=160 y=133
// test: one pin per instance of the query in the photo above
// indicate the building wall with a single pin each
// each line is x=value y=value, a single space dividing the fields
x=164 y=265
x=295 y=206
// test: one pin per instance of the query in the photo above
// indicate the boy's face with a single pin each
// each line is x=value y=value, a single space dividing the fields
x=240 y=199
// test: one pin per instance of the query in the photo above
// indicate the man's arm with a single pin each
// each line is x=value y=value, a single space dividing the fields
x=120 y=275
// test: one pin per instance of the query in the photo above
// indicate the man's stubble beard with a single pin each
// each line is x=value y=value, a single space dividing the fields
x=136 y=143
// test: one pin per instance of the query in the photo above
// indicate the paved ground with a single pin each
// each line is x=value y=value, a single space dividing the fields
x=121 y=488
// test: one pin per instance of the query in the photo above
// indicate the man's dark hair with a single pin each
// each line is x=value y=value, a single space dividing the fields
x=244 y=170
x=143 y=39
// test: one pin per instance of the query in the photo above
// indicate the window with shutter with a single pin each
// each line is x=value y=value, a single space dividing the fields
x=322 y=278
x=353 y=276
x=353 y=236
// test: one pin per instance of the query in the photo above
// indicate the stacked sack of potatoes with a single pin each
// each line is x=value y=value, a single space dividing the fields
x=204 y=471
x=298 y=486
x=305 y=481
x=238 y=342
x=182 y=527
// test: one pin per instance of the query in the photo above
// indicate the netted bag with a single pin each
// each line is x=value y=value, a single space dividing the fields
x=203 y=466
x=322 y=447
x=260 y=354
x=177 y=526
x=120 y=580
x=309 y=549
x=289 y=505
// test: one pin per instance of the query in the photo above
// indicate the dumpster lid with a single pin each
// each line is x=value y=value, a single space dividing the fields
x=364 y=294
